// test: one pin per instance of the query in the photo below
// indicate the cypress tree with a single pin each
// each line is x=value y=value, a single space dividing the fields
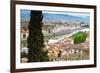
x=35 y=40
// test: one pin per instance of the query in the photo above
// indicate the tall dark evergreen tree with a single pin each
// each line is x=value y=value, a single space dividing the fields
x=35 y=40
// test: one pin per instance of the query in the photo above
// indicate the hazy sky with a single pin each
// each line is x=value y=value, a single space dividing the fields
x=26 y=13
x=70 y=13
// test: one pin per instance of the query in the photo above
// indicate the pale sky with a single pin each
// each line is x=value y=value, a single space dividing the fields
x=70 y=13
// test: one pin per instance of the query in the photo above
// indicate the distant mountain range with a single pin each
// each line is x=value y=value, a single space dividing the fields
x=25 y=15
x=62 y=18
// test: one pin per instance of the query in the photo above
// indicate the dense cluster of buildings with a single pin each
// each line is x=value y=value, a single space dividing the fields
x=65 y=47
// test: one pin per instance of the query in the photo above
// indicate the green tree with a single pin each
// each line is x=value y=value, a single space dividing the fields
x=35 y=40
x=79 y=37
